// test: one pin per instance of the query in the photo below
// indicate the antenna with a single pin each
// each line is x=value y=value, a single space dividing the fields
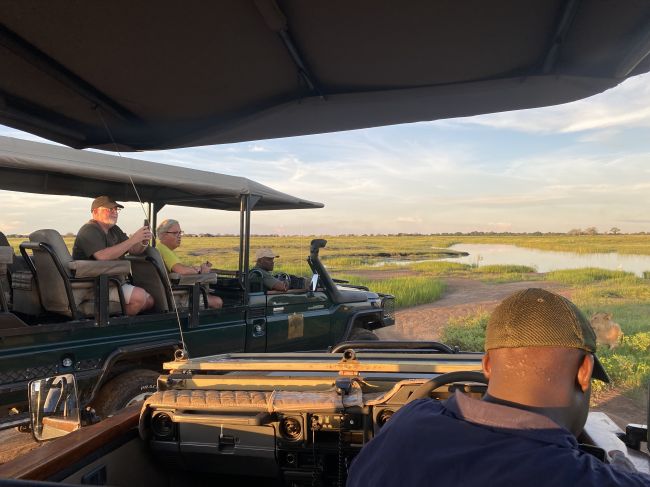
x=146 y=219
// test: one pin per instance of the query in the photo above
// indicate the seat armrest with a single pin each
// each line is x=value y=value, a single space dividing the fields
x=190 y=279
x=6 y=255
x=94 y=268
x=174 y=278
x=135 y=257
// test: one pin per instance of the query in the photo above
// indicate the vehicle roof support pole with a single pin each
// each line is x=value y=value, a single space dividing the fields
x=153 y=213
x=242 y=214
x=249 y=202
x=247 y=244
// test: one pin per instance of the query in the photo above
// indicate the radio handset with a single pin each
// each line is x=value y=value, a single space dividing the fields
x=146 y=224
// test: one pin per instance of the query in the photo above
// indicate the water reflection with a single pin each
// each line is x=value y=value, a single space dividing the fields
x=545 y=260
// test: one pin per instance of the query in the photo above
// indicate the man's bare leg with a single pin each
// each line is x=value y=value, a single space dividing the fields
x=140 y=301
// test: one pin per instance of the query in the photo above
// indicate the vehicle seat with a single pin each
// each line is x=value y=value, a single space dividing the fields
x=13 y=264
x=150 y=273
x=255 y=281
x=6 y=259
x=66 y=286
x=147 y=271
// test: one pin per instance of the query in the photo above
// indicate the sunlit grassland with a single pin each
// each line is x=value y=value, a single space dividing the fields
x=370 y=250
x=408 y=291
x=587 y=275
x=624 y=244
x=467 y=332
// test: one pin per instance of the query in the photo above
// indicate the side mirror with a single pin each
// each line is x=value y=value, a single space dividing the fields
x=54 y=407
x=314 y=283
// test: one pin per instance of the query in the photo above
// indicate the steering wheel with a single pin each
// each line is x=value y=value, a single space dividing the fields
x=431 y=385
x=284 y=277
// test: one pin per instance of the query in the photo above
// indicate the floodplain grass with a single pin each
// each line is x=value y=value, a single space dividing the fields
x=467 y=332
x=587 y=275
x=408 y=291
x=628 y=365
x=407 y=247
x=505 y=273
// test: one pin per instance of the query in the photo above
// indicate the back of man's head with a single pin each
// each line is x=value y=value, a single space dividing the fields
x=540 y=356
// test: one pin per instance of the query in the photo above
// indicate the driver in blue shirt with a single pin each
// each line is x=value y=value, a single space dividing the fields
x=540 y=362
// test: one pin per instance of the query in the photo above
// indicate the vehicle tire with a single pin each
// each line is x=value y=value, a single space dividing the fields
x=124 y=390
x=362 y=334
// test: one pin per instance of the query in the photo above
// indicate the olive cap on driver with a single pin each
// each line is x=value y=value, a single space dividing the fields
x=539 y=318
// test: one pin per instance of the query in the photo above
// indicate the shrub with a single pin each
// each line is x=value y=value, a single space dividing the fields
x=467 y=333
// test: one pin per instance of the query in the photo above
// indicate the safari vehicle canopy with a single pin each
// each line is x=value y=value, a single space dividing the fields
x=201 y=73
x=56 y=316
x=33 y=167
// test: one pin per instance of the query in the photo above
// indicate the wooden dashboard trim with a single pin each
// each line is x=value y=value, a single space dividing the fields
x=44 y=462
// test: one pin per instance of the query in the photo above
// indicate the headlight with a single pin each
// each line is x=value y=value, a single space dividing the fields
x=162 y=426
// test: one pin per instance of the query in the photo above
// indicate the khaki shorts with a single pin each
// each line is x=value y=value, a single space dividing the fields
x=127 y=290
x=86 y=301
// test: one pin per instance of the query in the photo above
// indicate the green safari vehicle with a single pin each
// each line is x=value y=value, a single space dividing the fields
x=45 y=330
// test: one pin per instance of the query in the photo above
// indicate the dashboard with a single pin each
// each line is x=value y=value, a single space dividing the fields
x=305 y=432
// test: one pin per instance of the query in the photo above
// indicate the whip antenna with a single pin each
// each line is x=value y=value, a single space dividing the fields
x=146 y=216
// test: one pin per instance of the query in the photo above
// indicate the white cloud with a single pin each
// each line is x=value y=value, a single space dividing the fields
x=627 y=105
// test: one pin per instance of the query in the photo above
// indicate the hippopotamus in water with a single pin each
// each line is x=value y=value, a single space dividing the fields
x=607 y=331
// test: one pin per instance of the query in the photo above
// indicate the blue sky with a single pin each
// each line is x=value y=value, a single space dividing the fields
x=552 y=169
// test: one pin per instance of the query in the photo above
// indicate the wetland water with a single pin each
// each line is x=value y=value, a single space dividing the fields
x=545 y=260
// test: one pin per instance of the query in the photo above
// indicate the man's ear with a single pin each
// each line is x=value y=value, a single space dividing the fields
x=585 y=370
x=487 y=366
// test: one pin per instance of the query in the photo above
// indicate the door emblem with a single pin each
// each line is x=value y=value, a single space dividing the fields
x=296 y=327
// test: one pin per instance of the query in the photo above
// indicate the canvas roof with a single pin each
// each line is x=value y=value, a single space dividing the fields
x=34 y=167
x=171 y=74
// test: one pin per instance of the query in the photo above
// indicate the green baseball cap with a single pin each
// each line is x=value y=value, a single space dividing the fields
x=538 y=318
x=104 y=202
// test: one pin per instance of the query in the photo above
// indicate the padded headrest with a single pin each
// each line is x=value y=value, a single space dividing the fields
x=54 y=240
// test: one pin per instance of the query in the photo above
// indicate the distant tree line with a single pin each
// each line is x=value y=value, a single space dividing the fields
x=594 y=231
x=573 y=231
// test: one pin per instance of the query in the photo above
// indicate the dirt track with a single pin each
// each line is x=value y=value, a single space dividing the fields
x=463 y=297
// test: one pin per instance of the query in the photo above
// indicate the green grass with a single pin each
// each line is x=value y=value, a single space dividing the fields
x=408 y=291
x=588 y=275
x=467 y=333
x=505 y=273
x=628 y=365
x=440 y=268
